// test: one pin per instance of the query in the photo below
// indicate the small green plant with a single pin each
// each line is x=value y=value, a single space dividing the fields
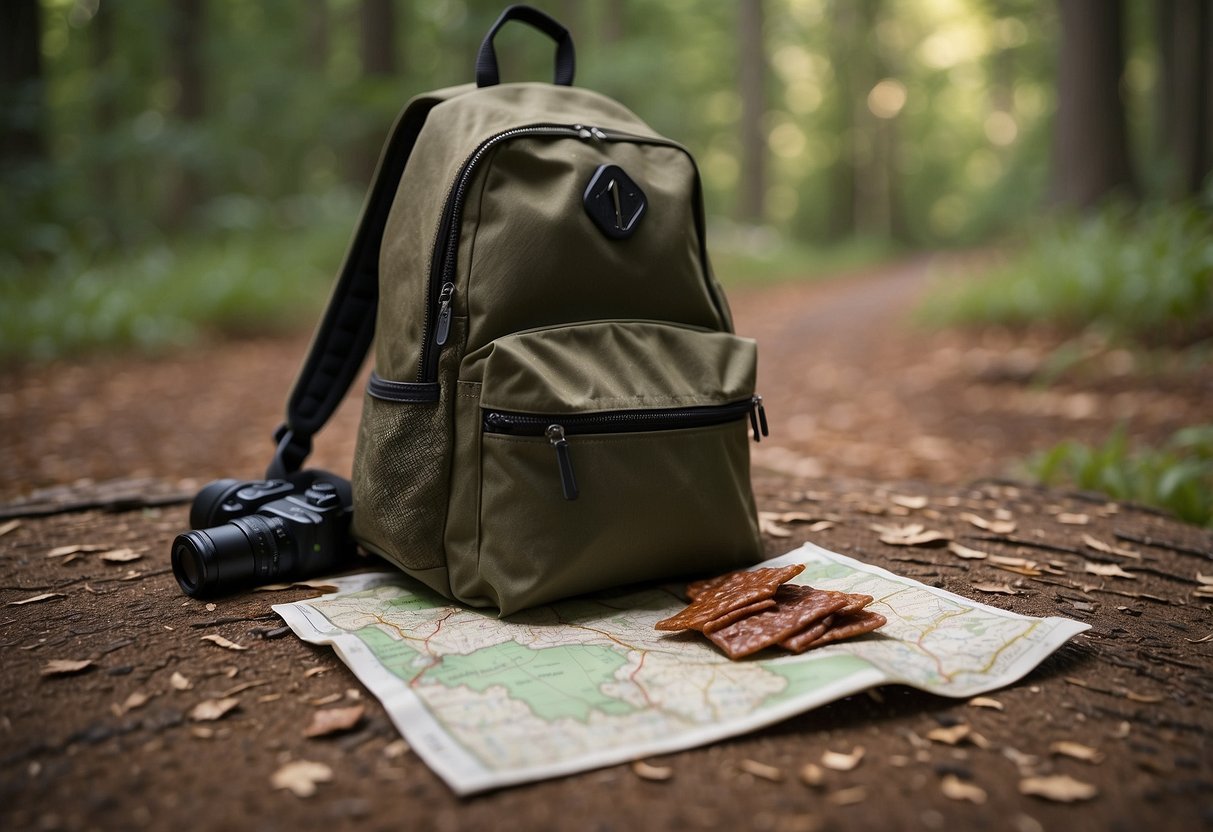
x=1177 y=477
x=1143 y=275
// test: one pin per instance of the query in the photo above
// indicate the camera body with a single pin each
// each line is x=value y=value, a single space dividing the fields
x=249 y=533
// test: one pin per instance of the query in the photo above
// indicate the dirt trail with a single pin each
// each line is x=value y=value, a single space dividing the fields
x=855 y=396
x=852 y=389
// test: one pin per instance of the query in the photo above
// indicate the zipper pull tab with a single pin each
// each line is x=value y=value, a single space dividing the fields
x=758 y=419
x=568 y=482
x=598 y=134
x=444 y=314
x=583 y=132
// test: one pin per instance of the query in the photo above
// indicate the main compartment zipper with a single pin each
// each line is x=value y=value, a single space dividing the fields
x=440 y=287
x=557 y=428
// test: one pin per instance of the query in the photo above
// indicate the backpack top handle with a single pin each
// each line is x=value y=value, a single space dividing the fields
x=487 y=74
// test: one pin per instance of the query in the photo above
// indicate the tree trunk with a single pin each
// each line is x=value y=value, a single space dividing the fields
x=752 y=75
x=105 y=103
x=22 y=100
x=1090 y=144
x=318 y=36
x=378 y=38
x=187 y=22
x=377 y=44
x=1185 y=93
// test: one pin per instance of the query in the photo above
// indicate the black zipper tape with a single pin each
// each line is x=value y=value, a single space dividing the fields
x=558 y=427
x=440 y=285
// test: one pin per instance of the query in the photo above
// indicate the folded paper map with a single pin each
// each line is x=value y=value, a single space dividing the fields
x=588 y=682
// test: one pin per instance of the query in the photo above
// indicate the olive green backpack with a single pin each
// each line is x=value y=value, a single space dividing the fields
x=558 y=404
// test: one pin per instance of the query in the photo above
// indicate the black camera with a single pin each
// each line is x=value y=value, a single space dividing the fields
x=251 y=533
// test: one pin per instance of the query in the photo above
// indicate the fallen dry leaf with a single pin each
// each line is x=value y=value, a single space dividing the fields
x=647 y=772
x=333 y=721
x=124 y=555
x=301 y=777
x=954 y=788
x=994 y=589
x=909 y=502
x=136 y=700
x=1060 y=788
x=11 y=525
x=837 y=761
x=202 y=732
x=209 y=710
x=75 y=549
x=962 y=551
x=994 y=526
x=223 y=642
x=821 y=526
x=848 y=797
x=313 y=671
x=769 y=526
x=811 y=774
x=1078 y=751
x=396 y=749
x=762 y=770
x=1107 y=570
x=1108 y=549
x=1020 y=566
x=986 y=702
x=242 y=687
x=308 y=583
x=1069 y=519
x=65 y=667
x=36 y=599
x=953 y=735
x=1204 y=579
x=325 y=700
x=179 y=682
x=1201 y=640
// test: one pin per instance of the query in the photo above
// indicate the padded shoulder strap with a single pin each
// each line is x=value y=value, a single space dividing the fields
x=344 y=334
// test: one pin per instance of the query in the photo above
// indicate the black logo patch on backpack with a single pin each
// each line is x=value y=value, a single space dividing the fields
x=614 y=202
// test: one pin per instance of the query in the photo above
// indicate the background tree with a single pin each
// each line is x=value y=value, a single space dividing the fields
x=1185 y=93
x=1090 y=143
x=22 y=107
x=752 y=78
x=187 y=33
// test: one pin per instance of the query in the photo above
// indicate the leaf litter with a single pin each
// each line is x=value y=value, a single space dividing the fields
x=761 y=770
x=223 y=642
x=657 y=774
x=301 y=776
x=65 y=667
x=210 y=710
x=954 y=788
x=334 y=721
x=1107 y=570
x=1060 y=788
x=1077 y=751
x=993 y=526
x=838 y=761
x=124 y=555
x=36 y=599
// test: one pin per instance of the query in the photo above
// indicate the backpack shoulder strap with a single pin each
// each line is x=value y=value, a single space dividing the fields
x=347 y=328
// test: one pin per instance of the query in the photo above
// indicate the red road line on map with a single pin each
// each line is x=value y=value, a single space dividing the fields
x=634 y=673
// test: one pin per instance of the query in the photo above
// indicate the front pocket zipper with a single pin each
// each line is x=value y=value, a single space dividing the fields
x=557 y=428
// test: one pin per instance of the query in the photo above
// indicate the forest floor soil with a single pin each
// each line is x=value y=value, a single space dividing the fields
x=873 y=421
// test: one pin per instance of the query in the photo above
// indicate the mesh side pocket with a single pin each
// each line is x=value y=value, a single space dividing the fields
x=401 y=478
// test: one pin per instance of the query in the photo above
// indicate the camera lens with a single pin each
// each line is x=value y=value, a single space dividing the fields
x=247 y=551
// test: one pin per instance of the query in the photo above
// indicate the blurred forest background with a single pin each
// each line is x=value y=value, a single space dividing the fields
x=177 y=167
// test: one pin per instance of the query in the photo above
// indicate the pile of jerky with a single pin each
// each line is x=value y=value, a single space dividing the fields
x=744 y=612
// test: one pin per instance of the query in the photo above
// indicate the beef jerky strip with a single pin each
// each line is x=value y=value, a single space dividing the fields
x=856 y=603
x=855 y=624
x=796 y=607
x=697 y=588
x=737 y=590
x=799 y=642
x=737 y=614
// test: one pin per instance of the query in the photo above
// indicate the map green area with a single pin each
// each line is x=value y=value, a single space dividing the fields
x=589 y=682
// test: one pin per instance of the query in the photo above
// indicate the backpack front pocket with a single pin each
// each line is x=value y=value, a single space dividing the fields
x=613 y=452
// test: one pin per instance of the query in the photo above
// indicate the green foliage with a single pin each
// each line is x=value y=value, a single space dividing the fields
x=261 y=278
x=744 y=256
x=1144 y=275
x=1177 y=477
